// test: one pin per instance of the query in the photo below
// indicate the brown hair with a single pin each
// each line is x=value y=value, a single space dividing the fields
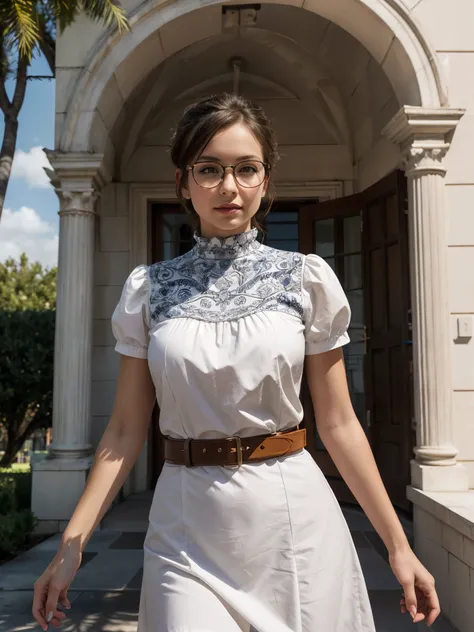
x=206 y=117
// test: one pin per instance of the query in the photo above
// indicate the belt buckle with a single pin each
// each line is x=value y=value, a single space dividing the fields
x=237 y=449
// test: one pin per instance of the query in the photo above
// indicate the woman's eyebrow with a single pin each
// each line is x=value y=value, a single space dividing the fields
x=215 y=159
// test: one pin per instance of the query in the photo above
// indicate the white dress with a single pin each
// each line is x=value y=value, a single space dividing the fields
x=263 y=546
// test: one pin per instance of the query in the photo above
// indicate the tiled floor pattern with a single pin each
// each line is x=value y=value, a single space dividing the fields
x=105 y=592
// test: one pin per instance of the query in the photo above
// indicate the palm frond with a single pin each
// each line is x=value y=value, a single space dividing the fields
x=65 y=11
x=110 y=11
x=18 y=22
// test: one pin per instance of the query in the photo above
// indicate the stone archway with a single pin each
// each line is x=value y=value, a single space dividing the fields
x=385 y=28
x=85 y=157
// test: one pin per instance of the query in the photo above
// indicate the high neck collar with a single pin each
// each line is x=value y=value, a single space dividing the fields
x=226 y=247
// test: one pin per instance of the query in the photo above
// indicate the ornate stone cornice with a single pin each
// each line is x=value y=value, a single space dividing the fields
x=424 y=136
x=76 y=171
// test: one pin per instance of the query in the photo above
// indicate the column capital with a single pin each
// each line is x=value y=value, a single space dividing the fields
x=77 y=202
x=77 y=178
x=424 y=137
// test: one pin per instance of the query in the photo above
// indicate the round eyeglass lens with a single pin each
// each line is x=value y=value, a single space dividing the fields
x=248 y=174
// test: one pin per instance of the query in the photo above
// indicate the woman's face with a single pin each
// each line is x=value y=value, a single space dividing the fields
x=227 y=209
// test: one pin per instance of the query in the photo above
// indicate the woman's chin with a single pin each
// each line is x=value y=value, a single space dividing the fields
x=235 y=223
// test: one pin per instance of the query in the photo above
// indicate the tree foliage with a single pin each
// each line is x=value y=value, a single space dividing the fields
x=28 y=28
x=27 y=318
x=29 y=25
x=26 y=286
x=26 y=376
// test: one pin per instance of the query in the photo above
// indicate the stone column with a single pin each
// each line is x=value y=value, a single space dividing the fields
x=59 y=480
x=424 y=138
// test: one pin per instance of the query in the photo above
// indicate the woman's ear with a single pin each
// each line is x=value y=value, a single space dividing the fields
x=265 y=187
x=184 y=190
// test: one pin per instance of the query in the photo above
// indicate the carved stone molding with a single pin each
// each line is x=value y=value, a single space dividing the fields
x=424 y=137
x=77 y=202
x=418 y=159
x=78 y=174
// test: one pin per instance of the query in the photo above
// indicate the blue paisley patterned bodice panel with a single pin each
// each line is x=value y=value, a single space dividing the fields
x=224 y=279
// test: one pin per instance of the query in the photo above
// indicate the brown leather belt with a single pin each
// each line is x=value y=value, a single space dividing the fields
x=233 y=450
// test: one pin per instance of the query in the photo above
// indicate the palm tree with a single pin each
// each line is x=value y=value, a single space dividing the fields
x=28 y=28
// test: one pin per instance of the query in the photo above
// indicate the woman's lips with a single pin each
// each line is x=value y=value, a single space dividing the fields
x=228 y=209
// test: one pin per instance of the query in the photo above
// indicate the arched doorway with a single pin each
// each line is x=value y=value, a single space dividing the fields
x=330 y=77
x=364 y=239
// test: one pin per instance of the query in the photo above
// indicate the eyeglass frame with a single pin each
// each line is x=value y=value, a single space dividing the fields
x=266 y=166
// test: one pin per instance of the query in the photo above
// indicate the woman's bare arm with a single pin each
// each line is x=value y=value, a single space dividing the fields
x=117 y=451
x=345 y=440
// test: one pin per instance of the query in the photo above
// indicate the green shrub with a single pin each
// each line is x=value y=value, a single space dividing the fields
x=23 y=489
x=26 y=377
x=8 y=500
x=21 y=486
x=15 y=530
x=16 y=521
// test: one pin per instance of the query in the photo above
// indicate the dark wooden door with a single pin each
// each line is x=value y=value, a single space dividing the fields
x=333 y=230
x=171 y=236
x=365 y=240
x=389 y=381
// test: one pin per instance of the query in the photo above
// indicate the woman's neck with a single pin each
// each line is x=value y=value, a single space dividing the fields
x=211 y=231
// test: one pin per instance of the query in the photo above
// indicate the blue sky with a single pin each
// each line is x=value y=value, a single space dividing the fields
x=30 y=221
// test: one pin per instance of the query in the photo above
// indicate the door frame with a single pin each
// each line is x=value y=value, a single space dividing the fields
x=360 y=203
x=142 y=194
x=140 y=197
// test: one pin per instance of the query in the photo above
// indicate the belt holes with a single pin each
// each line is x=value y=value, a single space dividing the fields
x=204 y=449
x=219 y=449
x=262 y=447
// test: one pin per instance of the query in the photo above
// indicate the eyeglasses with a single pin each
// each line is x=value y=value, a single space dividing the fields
x=248 y=173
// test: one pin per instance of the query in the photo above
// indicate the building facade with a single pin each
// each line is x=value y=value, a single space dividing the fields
x=373 y=107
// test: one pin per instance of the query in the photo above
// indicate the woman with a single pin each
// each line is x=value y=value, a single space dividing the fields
x=244 y=533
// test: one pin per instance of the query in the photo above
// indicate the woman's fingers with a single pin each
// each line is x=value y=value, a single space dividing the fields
x=63 y=599
x=51 y=608
x=411 y=603
x=428 y=607
x=431 y=602
x=39 y=597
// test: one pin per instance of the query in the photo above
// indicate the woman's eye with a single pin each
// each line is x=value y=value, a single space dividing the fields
x=248 y=169
x=208 y=169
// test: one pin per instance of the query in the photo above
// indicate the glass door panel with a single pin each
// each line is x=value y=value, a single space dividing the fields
x=338 y=241
x=353 y=284
x=176 y=233
x=281 y=230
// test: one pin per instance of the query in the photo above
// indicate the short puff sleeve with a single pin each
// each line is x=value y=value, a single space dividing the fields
x=326 y=310
x=131 y=317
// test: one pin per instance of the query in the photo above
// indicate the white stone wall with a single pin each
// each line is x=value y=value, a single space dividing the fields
x=111 y=270
x=449 y=28
x=444 y=539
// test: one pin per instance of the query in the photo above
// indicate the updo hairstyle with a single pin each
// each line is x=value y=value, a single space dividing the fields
x=208 y=116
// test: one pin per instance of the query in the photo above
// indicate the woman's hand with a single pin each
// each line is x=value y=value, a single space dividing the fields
x=51 y=588
x=420 y=598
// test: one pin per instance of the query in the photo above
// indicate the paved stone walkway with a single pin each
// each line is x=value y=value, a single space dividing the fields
x=105 y=592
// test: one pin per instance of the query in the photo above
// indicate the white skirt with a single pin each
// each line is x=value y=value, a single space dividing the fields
x=262 y=547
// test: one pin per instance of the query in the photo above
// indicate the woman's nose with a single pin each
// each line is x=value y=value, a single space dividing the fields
x=228 y=184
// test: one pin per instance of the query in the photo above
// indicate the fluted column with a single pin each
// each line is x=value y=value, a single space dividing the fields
x=424 y=139
x=73 y=336
x=58 y=481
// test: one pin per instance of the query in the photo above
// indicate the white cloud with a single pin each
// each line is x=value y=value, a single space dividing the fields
x=28 y=165
x=25 y=231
